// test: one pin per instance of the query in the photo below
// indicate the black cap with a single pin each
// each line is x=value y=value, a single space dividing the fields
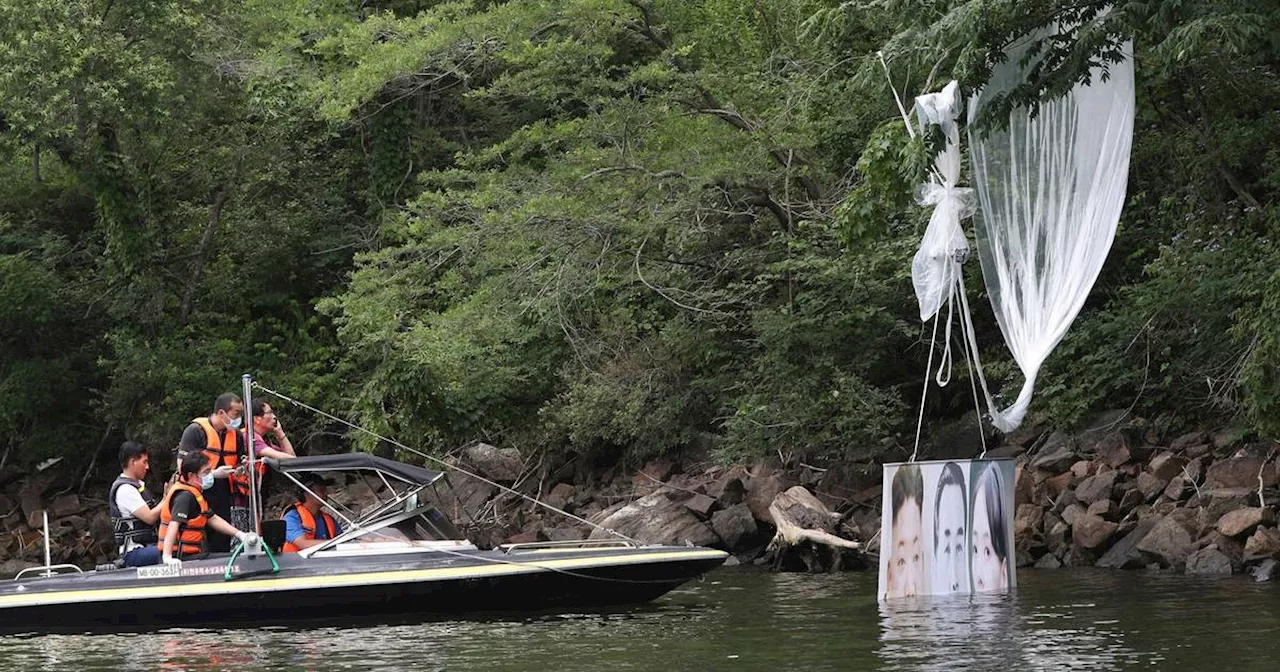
x=312 y=479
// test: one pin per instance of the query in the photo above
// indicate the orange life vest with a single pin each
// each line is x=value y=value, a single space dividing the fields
x=309 y=526
x=191 y=533
x=226 y=451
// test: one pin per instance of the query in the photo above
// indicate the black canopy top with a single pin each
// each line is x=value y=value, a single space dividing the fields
x=354 y=462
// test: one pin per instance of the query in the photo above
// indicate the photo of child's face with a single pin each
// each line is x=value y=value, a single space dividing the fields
x=989 y=550
x=906 y=561
x=950 y=561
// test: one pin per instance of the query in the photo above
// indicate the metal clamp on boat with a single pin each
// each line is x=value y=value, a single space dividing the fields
x=251 y=553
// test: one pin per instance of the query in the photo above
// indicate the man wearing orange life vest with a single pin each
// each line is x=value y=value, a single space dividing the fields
x=216 y=439
x=185 y=516
x=305 y=523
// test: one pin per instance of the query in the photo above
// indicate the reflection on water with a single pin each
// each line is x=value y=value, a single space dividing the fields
x=738 y=620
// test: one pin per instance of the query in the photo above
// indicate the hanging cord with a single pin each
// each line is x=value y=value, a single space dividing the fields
x=945 y=364
x=925 y=392
x=973 y=373
x=442 y=463
x=896 y=98
x=972 y=341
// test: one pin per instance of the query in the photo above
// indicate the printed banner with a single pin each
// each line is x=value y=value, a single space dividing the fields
x=946 y=527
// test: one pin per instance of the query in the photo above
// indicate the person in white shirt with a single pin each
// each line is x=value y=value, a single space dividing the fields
x=135 y=512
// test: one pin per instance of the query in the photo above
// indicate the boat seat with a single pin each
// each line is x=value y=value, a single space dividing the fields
x=273 y=532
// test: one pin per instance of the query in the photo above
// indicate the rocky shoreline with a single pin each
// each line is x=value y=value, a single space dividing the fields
x=1118 y=496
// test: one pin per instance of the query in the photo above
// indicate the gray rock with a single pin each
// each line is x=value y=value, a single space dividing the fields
x=560 y=496
x=1195 y=470
x=1057 y=454
x=1124 y=554
x=1073 y=513
x=1057 y=537
x=1266 y=570
x=1190 y=439
x=566 y=533
x=1104 y=509
x=1168 y=543
x=1067 y=498
x=1244 y=521
x=701 y=505
x=1241 y=472
x=1119 y=448
x=1209 y=561
x=65 y=505
x=1265 y=543
x=734 y=525
x=1048 y=561
x=1179 y=489
x=1130 y=501
x=1151 y=485
x=499 y=464
x=760 y=494
x=656 y=519
x=1092 y=532
x=1167 y=465
x=1097 y=487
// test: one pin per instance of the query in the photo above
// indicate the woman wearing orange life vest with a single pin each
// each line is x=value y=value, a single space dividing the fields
x=185 y=514
x=305 y=523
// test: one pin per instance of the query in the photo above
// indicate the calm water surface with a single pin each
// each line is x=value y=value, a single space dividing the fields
x=742 y=620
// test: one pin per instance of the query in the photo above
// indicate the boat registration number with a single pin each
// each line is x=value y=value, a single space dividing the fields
x=170 y=571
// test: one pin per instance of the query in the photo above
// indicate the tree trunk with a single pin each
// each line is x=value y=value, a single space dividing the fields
x=202 y=253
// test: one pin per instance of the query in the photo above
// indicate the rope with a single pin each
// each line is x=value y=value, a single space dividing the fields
x=441 y=462
x=925 y=392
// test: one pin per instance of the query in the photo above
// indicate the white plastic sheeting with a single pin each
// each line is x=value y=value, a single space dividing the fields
x=1050 y=189
x=936 y=266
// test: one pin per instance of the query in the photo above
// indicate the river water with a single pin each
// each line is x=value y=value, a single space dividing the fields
x=745 y=620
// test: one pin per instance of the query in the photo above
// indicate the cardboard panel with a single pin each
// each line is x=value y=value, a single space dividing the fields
x=946 y=528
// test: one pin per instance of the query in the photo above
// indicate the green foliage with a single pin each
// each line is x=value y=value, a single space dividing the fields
x=625 y=226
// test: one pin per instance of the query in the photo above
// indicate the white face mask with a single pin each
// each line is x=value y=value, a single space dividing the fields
x=206 y=481
x=235 y=423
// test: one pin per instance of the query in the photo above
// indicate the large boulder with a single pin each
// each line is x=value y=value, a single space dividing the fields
x=761 y=492
x=658 y=519
x=1120 y=448
x=1209 y=561
x=1073 y=513
x=499 y=464
x=734 y=525
x=1166 y=465
x=1151 y=485
x=65 y=505
x=1092 y=532
x=1105 y=509
x=1242 y=472
x=1264 y=543
x=1097 y=487
x=560 y=495
x=1124 y=554
x=1168 y=542
x=1057 y=454
x=1026 y=523
x=1244 y=521
x=1190 y=439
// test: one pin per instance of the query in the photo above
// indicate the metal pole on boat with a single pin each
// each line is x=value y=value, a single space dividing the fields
x=48 y=560
x=253 y=471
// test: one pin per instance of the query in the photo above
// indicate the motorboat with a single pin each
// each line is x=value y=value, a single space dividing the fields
x=402 y=558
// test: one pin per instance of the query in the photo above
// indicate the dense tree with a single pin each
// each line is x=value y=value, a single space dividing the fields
x=624 y=226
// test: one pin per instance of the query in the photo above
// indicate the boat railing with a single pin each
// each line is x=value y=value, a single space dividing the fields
x=570 y=544
x=48 y=569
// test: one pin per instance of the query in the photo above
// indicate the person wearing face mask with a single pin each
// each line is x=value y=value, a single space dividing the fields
x=215 y=438
x=186 y=519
